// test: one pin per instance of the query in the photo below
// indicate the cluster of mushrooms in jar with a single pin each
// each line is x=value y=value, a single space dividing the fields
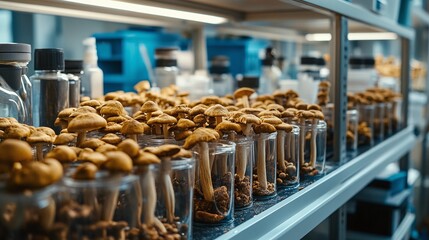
x=146 y=165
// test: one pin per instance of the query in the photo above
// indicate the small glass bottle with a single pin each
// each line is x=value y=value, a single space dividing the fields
x=15 y=86
x=50 y=87
x=223 y=82
x=74 y=71
x=166 y=70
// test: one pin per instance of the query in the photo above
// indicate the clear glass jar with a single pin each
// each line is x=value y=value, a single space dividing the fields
x=314 y=68
x=244 y=158
x=312 y=148
x=396 y=114
x=388 y=119
x=379 y=121
x=288 y=150
x=101 y=208
x=157 y=140
x=352 y=130
x=50 y=87
x=30 y=214
x=74 y=71
x=166 y=70
x=182 y=172
x=265 y=166
x=214 y=182
x=14 y=58
x=223 y=82
x=366 y=124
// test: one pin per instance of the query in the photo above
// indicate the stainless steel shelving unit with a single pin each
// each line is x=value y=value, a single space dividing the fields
x=295 y=216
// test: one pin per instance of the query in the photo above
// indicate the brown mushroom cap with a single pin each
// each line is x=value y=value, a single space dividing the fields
x=132 y=126
x=91 y=103
x=232 y=108
x=106 y=148
x=199 y=109
x=116 y=119
x=325 y=84
x=167 y=150
x=254 y=111
x=272 y=120
x=249 y=118
x=85 y=171
x=129 y=147
x=288 y=114
x=264 y=128
x=5 y=122
x=182 y=108
x=303 y=114
x=200 y=118
x=111 y=127
x=96 y=158
x=162 y=119
x=63 y=154
x=86 y=122
x=36 y=174
x=77 y=150
x=244 y=91
x=301 y=106
x=183 y=154
x=111 y=138
x=184 y=123
x=146 y=158
x=92 y=143
x=65 y=113
x=142 y=86
x=39 y=137
x=117 y=161
x=216 y=111
x=82 y=109
x=201 y=135
x=285 y=127
x=12 y=150
x=318 y=114
x=210 y=100
x=314 y=107
x=266 y=113
x=227 y=126
x=112 y=108
x=182 y=135
x=17 y=131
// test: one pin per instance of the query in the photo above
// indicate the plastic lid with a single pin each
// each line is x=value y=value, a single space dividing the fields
x=16 y=52
x=73 y=66
x=164 y=50
x=312 y=61
x=49 y=59
x=249 y=81
x=366 y=61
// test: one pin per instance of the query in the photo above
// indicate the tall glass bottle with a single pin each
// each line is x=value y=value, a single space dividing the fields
x=166 y=70
x=50 y=87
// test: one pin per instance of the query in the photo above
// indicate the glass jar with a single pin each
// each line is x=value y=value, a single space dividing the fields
x=182 y=172
x=366 y=124
x=288 y=150
x=265 y=166
x=157 y=140
x=312 y=148
x=50 y=87
x=352 y=130
x=223 y=82
x=379 y=115
x=166 y=70
x=313 y=67
x=14 y=83
x=388 y=119
x=361 y=74
x=29 y=215
x=74 y=71
x=214 y=182
x=101 y=208
x=396 y=114
x=244 y=158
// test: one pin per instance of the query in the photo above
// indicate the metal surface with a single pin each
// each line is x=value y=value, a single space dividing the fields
x=338 y=224
x=298 y=214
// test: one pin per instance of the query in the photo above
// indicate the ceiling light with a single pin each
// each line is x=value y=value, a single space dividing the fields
x=323 y=37
x=318 y=37
x=158 y=11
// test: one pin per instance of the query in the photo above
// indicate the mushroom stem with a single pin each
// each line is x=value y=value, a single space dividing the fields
x=218 y=119
x=111 y=201
x=138 y=205
x=241 y=160
x=281 y=150
x=301 y=141
x=204 y=170
x=165 y=130
x=313 y=152
x=290 y=147
x=181 y=115
x=148 y=116
x=47 y=215
x=245 y=100
x=39 y=151
x=157 y=129
x=247 y=131
x=133 y=137
x=81 y=137
x=168 y=188
x=261 y=164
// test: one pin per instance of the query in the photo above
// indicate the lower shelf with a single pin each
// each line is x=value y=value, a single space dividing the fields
x=293 y=213
x=402 y=232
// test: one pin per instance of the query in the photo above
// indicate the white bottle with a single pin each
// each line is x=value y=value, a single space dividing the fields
x=92 y=79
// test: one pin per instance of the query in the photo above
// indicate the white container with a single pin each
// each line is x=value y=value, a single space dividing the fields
x=92 y=79
x=361 y=74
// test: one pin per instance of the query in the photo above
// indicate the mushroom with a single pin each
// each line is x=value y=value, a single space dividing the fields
x=142 y=86
x=165 y=120
x=231 y=129
x=85 y=122
x=14 y=151
x=248 y=120
x=64 y=154
x=85 y=171
x=282 y=129
x=17 y=131
x=302 y=116
x=106 y=148
x=181 y=111
x=202 y=136
x=148 y=108
x=96 y=158
x=64 y=139
x=111 y=138
x=165 y=153
x=318 y=115
x=148 y=189
x=217 y=111
x=112 y=108
x=182 y=129
x=130 y=147
x=92 y=143
x=117 y=163
x=132 y=128
x=39 y=139
x=261 y=158
x=244 y=94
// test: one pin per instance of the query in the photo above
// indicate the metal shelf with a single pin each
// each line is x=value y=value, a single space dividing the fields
x=402 y=232
x=299 y=213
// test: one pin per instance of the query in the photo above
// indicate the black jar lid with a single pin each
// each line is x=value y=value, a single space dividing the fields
x=249 y=81
x=312 y=61
x=73 y=66
x=15 y=52
x=362 y=61
x=49 y=59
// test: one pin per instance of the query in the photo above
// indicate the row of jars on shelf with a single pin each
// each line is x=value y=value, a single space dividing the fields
x=242 y=169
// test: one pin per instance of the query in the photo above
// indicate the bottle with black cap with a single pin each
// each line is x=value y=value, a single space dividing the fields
x=270 y=76
x=50 y=87
x=15 y=84
x=223 y=82
x=166 y=69
x=74 y=71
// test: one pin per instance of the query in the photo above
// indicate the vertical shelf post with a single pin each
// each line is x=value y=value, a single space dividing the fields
x=200 y=48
